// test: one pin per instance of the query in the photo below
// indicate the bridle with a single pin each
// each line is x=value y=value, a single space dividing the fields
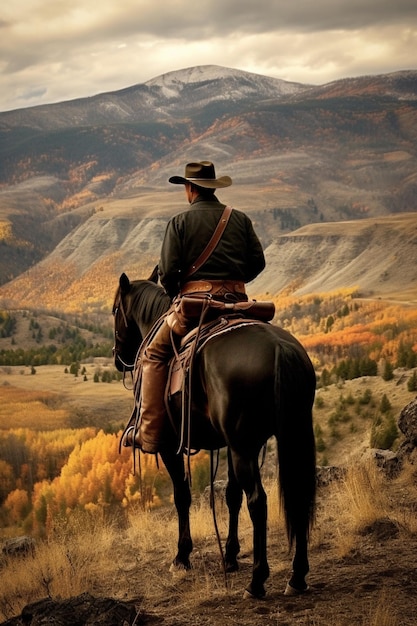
x=127 y=367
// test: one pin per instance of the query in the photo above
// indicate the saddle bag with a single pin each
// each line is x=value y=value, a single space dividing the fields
x=190 y=308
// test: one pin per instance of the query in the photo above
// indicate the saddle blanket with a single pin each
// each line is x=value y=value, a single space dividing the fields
x=180 y=363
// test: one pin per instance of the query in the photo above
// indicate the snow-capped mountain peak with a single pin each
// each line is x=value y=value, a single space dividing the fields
x=234 y=82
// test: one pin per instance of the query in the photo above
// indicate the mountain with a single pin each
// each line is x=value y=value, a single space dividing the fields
x=83 y=184
x=196 y=91
x=376 y=257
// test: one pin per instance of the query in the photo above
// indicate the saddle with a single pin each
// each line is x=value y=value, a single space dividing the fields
x=222 y=317
x=193 y=343
x=210 y=318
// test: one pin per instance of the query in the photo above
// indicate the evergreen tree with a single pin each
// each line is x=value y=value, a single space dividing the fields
x=412 y=382
x=385 y=404
x=388 y=373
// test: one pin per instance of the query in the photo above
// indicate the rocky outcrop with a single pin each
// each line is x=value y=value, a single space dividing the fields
x=407 y=423
x=19 y=546
x=83 y=610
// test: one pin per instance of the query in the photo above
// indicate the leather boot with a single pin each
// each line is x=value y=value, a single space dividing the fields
x=153 y=414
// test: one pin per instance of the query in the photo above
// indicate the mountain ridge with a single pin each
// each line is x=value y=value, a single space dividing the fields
x=374 y=257
x=140 y=101
x=298 y=154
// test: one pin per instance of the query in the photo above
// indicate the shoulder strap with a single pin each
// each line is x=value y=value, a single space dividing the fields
x=215 y=238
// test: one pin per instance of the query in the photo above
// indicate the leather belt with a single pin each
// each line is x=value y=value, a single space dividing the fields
x=214 y=287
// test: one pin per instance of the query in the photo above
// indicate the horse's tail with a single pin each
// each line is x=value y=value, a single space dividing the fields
x=295 y=383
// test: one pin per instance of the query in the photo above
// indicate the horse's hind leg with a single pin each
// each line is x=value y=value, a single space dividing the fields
x=234 y=498
x=248 y=476
x=300 y=566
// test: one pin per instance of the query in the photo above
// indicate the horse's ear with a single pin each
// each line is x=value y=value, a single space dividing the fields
x=124 y=283
x=154 y=276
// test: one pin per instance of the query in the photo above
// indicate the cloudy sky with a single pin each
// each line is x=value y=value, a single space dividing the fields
x=56 y=50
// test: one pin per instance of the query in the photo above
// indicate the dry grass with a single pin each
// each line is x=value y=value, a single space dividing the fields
x=361 y=494
x=68 y=564
x=383 y=613
x=131 y=560
x=354 y=503
x=51 y=398
x=18 y=408
x=406 y=495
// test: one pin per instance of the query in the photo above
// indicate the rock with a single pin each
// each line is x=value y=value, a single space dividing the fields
x=83 y=610
x=19 y=546
x=388 y=461
x=327 y=474
x=407 y=422
x=219 y=490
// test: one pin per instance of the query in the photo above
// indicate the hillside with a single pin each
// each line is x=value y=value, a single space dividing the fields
x=376 y=256
x=297 y=154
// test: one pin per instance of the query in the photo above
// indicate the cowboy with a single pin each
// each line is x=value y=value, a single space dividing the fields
x=236 y=259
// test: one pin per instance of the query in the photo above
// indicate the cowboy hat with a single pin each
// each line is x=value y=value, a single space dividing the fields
x=201 y=174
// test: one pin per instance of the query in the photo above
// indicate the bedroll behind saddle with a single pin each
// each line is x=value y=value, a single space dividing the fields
x=190 y=307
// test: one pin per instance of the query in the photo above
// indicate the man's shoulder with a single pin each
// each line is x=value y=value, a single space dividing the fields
x=198 y=207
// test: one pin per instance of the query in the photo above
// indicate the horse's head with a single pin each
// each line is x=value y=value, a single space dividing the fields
x=127 y=336
x=137 y=305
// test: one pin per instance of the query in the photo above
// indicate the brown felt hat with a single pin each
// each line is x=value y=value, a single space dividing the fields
x=203 y=175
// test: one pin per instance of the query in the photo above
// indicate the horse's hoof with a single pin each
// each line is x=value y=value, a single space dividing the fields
x=248 y=595
x=179 y=570
x=231 y=567
x=292 y=591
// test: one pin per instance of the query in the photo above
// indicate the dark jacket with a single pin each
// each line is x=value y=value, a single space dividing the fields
x=238 y=255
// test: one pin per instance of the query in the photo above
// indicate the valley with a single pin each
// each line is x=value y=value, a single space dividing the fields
x=328 y=177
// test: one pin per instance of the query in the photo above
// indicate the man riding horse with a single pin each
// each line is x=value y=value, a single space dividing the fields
x=220 y=264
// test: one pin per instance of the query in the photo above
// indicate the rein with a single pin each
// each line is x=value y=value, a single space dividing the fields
x=213 y=472
x=127 y=367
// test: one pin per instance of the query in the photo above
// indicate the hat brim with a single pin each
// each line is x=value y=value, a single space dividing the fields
x=207 y=183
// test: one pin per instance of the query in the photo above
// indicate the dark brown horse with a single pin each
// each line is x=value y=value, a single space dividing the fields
x=249 y=384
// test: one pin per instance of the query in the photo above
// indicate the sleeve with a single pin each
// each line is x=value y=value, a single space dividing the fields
x=256 y=257
x=170 y=262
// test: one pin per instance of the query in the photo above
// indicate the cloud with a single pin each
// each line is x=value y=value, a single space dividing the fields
x=54 y=50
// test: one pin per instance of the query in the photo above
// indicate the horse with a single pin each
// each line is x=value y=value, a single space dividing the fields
x=249 y=384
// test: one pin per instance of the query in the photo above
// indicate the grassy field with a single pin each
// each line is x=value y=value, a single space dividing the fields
x=52 y=398
x=351 y=432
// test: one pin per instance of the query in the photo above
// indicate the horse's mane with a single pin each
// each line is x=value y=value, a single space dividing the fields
x=148 y=301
